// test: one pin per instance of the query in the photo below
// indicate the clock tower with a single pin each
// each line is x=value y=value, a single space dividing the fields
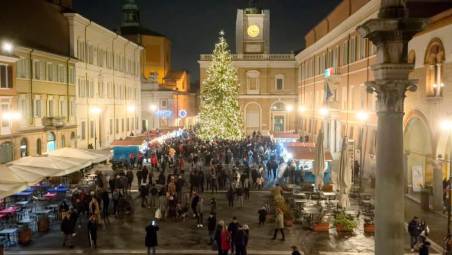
x=253 y=30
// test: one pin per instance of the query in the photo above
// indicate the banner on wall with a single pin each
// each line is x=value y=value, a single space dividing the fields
x=418 y=178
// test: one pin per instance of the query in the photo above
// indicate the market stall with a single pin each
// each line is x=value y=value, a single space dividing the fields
x=304 y=155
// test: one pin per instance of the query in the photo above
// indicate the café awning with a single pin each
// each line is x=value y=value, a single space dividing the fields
x=92 y=157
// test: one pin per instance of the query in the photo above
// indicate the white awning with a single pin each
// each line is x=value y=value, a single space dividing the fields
x=79 y=154
x=48 y=166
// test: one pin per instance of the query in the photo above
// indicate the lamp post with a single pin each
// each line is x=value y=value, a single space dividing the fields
x=10 y=117
x=362 y=116
x=96 y=111
x=447 y=126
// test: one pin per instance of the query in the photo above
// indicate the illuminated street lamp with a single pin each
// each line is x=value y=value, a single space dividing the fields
x=289 y=108
x=302 y=109
x=324 y=111
x=7 y=47
x=131 y=108
x=96 y=111
x=447 y=126
x=362 y=116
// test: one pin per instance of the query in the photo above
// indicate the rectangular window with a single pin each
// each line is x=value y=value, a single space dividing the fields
x=62 y=107
x=71 y=75
x=6 y=76
x=111 y=127
x=23 y=68
x=117 y=126
x=279 y=83
x=37 y=107
x=353 y=50
x=61 y=73
x=83 y=127
x=122 y=125
x=128 y=126
x=51 y=111
x=72 y=111
x=163 y=104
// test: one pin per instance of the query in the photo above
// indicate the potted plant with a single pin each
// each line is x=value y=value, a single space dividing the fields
x=321 y=224
x=369 y=226
x=344 y=222
x=24 y=234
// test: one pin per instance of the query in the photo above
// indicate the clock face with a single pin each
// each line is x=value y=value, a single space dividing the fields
x=253 y=31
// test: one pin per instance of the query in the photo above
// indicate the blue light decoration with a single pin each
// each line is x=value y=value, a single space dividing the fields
x=164 y=113
x=182 y=113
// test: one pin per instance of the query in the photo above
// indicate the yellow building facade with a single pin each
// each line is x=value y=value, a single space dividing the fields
x=268 y=82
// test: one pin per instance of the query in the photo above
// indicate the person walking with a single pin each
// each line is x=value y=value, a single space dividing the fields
x=67 y=227
x=414 y=231
x=241 y=241
x=279 y=224
x=92 y=231
x=105 y=205
x=139 y=175
x=239 y=192
x=211 y=225
x=151 y=237
x=233 y=228
x=200 y=211
x=262 y=215
x=230 y=197
x=223 y=239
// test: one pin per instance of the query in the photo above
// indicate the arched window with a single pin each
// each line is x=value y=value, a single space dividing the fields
x=23 y=147
x=252 y=82
x=51 y=142
x=38 y=146
x=434 y=63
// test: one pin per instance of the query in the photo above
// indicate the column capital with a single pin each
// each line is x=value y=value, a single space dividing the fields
x=390 y=93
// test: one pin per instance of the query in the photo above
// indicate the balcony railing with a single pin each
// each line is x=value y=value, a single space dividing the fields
x=53 y=122
x=254 y=57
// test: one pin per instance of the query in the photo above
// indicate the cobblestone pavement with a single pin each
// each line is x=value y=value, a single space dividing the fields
x=127 y=235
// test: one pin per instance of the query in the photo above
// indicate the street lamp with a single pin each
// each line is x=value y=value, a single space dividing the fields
x=289 y=108
x=96 y=111
x=7 y=47
x=362 y=116
x=302 y=109
x=324 y=111
x=10 y=117
x=447 y=126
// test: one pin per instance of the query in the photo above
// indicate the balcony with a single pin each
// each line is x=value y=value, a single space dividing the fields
x=254 y=57
x=50 y=122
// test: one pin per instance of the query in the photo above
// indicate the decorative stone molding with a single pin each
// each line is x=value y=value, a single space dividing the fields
x=391 y=93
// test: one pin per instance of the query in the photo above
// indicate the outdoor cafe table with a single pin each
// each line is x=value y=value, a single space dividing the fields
x=9 y=233
x=9 y=210
x=50 y=196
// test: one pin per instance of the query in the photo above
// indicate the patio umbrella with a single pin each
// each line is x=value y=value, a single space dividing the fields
x=345 y=175
x=79 y=154
x=319 y=161
x=12 y=181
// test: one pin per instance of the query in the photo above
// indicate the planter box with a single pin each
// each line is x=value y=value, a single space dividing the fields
x=369 y=228
x=321 y=227
x=340 y=228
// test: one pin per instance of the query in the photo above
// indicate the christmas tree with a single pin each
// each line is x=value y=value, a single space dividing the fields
x=220 y=116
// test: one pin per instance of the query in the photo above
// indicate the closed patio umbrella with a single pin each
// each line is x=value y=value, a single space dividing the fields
x=319 y=161
x=345 y=175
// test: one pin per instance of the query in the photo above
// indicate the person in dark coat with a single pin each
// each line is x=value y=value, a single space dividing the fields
x=67 y=227
x=233 y=228
x=92 y=231
x=425 y=248
x=295 y=251
x=414 y=231
x=262 y=215
x=241 y=240
x=151 y=236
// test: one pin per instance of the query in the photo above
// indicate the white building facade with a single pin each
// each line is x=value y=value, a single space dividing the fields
x=108 y=83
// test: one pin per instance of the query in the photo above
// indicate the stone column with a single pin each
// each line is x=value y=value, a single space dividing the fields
x=390 y=32
x=437 y=185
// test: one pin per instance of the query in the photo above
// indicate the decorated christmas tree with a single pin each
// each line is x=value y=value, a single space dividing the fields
x=220 y=116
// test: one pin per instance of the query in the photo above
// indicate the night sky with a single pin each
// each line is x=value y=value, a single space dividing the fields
x=193 y=25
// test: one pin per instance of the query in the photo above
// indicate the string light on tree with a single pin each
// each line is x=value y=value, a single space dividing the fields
x=220 y=116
